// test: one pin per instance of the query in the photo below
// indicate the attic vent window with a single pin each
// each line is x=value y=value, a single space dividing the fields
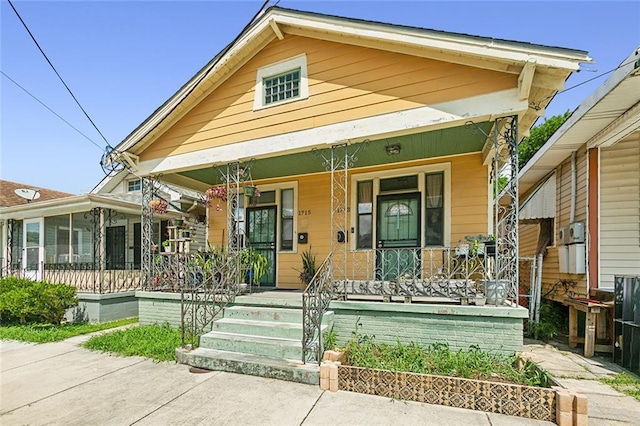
x=282 y=82
x=282 y=87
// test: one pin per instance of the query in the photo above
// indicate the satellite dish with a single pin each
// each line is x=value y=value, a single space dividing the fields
x=28 y=194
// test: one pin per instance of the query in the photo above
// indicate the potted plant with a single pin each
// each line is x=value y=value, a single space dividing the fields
x=254 y=265
x=308 y=266
x=159 y=205
x=490 y=245
x=166 y=245
x=218 y=193
x=177 y=222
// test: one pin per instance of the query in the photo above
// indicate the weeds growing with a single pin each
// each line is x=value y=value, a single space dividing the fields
x=439 y=359
x=625 y=383
x=157 y=342
x=45 y=333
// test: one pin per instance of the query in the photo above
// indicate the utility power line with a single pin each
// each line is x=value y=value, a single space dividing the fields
x=51 y=110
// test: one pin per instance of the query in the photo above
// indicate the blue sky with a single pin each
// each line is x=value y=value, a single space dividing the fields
x=122 y=59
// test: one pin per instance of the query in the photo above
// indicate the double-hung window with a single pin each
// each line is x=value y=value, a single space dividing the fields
x=286 y=219
x=365 y=215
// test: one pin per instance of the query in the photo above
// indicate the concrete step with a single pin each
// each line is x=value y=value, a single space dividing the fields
x=283 y=330
x=272 y=347
x=256 y=313
x=254 y=365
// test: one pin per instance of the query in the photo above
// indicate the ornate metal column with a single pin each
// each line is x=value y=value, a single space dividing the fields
x=338 y=161
x=146 y=228
x=505 y=166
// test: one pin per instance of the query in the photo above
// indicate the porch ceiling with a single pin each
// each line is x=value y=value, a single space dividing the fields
x=436 y=143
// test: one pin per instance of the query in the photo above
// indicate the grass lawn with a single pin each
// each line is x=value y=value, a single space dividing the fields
x=625 y=383
x=45 y=333
x=157 y=342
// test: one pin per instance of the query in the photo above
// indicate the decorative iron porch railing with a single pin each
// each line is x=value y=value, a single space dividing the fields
x=84 y=276
x=448 y=272
x=315 y=301
x=207 y=282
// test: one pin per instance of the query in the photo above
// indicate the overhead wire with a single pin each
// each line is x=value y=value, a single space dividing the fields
x=24 y=24
x=51 y=110
x=536 y=104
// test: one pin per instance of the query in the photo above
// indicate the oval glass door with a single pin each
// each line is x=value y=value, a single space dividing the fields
x=398 y=236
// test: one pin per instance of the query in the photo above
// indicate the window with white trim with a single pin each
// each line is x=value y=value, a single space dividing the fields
x=134 y=185
x=286 y=219
x=281 y=87
x=282 y=82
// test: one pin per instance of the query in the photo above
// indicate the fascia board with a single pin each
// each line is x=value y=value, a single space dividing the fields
x=493 y=49
x=66 y=205
x=600 y=93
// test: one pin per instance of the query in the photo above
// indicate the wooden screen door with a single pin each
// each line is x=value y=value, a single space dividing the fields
x=398 y=236
x=261 y=236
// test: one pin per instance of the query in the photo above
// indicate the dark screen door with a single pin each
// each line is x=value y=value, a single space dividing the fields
x=261 y=236
x=115 y=247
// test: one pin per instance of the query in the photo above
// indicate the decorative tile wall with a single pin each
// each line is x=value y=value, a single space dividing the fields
x=514 y=400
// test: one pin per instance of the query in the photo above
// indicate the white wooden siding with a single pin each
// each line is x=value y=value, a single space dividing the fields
x=620 y=210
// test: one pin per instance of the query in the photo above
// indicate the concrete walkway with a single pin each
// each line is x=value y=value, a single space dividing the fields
x=63 y=384
x=606 y=405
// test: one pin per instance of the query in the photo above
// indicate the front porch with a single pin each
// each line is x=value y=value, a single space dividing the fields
x=261 y=333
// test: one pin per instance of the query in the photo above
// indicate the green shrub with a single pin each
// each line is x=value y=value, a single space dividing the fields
x=25 y=301
x=552 y=319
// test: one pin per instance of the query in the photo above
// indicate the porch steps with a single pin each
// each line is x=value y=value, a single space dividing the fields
x=259 y=340
x=255 y=365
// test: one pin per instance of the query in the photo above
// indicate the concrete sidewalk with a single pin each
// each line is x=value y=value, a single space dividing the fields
x=61 y=383
x=571 y=370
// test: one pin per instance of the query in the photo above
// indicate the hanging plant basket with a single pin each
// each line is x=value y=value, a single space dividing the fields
x=158 y=205
x=249 y=191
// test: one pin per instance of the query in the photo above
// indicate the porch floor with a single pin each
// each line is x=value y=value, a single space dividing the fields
x=293 y=298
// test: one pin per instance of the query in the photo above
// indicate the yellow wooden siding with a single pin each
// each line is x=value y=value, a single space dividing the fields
x=528 y=239
x=469 y=212
x=345 y=83
x=576 y=283
x=563 y=182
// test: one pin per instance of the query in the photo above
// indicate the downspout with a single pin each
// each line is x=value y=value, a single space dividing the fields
x=574 y=178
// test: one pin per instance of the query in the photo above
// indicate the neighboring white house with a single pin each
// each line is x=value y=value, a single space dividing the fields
x=583 y=186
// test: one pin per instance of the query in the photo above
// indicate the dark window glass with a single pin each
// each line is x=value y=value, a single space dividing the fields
x=365 y=215
x=399 y=183
x=434 y=209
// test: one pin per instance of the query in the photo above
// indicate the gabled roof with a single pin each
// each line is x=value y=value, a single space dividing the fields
x=8 y=197
x=483 y=52
x=611 y=113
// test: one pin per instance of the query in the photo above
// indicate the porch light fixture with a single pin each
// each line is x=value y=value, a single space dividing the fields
x=393 y=149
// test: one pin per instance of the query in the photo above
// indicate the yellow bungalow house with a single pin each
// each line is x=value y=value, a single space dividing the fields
x=373 y=146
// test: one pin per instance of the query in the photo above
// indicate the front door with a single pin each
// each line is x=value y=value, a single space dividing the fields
x=261 y=236
x=115 y=255
x=398 y=236
x=33 y=248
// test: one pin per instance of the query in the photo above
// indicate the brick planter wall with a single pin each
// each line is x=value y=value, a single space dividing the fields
x=491 y=328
